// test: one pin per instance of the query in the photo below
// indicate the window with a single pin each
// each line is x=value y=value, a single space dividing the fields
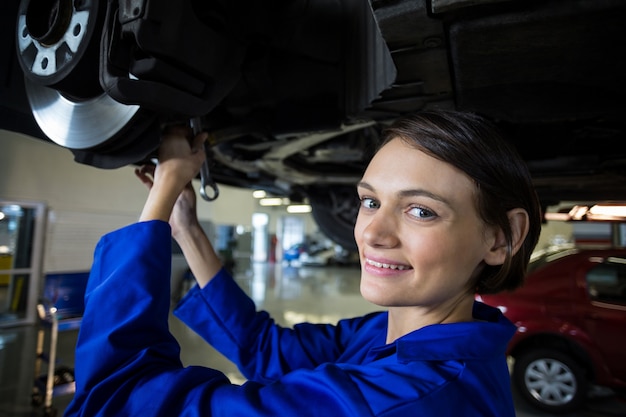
x=293 y=231
x=607 y=282
x=21 y=249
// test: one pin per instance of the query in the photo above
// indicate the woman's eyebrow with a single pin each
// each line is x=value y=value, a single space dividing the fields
x=363 y=184
x=417 y=192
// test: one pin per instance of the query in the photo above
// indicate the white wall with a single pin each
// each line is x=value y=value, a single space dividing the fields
x=35 y=170
x=84 y=202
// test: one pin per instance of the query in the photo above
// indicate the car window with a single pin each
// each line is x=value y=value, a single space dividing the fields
x=606 y=282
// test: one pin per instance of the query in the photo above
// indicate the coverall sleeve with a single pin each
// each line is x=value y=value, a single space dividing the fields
x=227 y=318
x=127 y=362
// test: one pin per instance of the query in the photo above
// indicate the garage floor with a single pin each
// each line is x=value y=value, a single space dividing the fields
x=290 y=294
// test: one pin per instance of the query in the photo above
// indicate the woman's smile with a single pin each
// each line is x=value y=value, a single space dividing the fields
x=374 y=265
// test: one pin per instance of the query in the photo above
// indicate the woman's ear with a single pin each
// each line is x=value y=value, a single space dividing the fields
x=518 y=220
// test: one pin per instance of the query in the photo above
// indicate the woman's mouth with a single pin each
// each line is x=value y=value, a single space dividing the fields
x=385 y=265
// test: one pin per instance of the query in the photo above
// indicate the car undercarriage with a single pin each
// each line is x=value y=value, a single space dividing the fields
x=295 y=94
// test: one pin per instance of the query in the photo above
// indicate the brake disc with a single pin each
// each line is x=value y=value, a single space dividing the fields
x=82 y=124
x=58 y=47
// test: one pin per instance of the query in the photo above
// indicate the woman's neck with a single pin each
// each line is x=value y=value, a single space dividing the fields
x=404 y=320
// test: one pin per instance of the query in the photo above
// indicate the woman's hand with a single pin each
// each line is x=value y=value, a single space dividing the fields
x=179 y=163
x=184 y=215
x=180 y=158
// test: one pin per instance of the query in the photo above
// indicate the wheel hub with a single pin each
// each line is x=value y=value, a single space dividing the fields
x=52 y=39
x=49 y=23
x=550 y=382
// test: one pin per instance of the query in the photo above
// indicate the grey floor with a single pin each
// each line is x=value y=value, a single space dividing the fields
x=290 y=294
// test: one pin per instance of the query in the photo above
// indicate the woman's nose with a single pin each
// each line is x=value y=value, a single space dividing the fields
x=380 y=230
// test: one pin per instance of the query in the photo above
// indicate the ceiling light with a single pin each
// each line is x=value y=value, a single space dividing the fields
x=299 y=208
x=557 y=216
x=259 y=194
x=276 y=201
x=607 y=212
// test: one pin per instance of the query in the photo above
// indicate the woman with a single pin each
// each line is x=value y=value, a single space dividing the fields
x=447 y=209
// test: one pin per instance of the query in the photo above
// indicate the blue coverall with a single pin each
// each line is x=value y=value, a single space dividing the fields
x=127 y=362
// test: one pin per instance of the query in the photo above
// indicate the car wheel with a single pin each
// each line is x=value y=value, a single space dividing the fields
x=334 y=209
x=550 y=380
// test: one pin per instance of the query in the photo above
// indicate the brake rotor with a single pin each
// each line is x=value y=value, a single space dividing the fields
x=84 y=124
x=58 y=45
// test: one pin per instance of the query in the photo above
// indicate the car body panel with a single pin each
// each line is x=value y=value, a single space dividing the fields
x=555 y=304
x=318 y=257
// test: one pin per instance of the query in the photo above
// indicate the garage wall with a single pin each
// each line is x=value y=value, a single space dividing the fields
x=84 y=202
x=35 y=170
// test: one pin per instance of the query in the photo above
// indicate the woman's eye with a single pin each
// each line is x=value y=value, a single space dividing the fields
x=369 y=203
x=422 y=213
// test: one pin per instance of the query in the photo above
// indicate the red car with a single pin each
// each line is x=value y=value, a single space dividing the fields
x=571 y=319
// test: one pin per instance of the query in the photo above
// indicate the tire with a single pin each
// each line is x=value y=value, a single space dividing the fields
x=550 y=380
x=334 y=209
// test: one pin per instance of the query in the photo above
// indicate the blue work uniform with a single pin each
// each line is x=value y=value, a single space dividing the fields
x=127 y=362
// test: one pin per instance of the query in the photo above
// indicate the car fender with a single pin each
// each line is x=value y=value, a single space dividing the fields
x=564 y=335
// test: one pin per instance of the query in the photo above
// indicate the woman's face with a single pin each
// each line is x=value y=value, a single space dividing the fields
x=419 y=235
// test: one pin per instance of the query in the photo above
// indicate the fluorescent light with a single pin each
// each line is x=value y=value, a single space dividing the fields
x=276 y=201
x=610 y=211
x=259 y=194
x=557 y=216
x=299 y=208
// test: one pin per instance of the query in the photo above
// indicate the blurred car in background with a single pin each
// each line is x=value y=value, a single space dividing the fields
x=571 y=319
x=319 y=254
x=322 y=256
x=293 y=253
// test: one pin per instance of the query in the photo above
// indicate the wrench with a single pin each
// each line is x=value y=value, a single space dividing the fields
x=205 y=176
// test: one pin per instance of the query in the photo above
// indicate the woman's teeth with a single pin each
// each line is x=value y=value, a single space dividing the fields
x=387 y=266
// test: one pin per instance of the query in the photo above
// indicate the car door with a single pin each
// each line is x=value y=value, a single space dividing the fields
x=605 y=312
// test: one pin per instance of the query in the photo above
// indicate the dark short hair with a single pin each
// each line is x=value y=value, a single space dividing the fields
x=475 y=146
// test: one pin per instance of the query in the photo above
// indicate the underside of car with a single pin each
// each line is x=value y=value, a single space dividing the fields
x=295 y=94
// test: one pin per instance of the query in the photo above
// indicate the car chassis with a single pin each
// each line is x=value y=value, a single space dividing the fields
x=296 y=94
